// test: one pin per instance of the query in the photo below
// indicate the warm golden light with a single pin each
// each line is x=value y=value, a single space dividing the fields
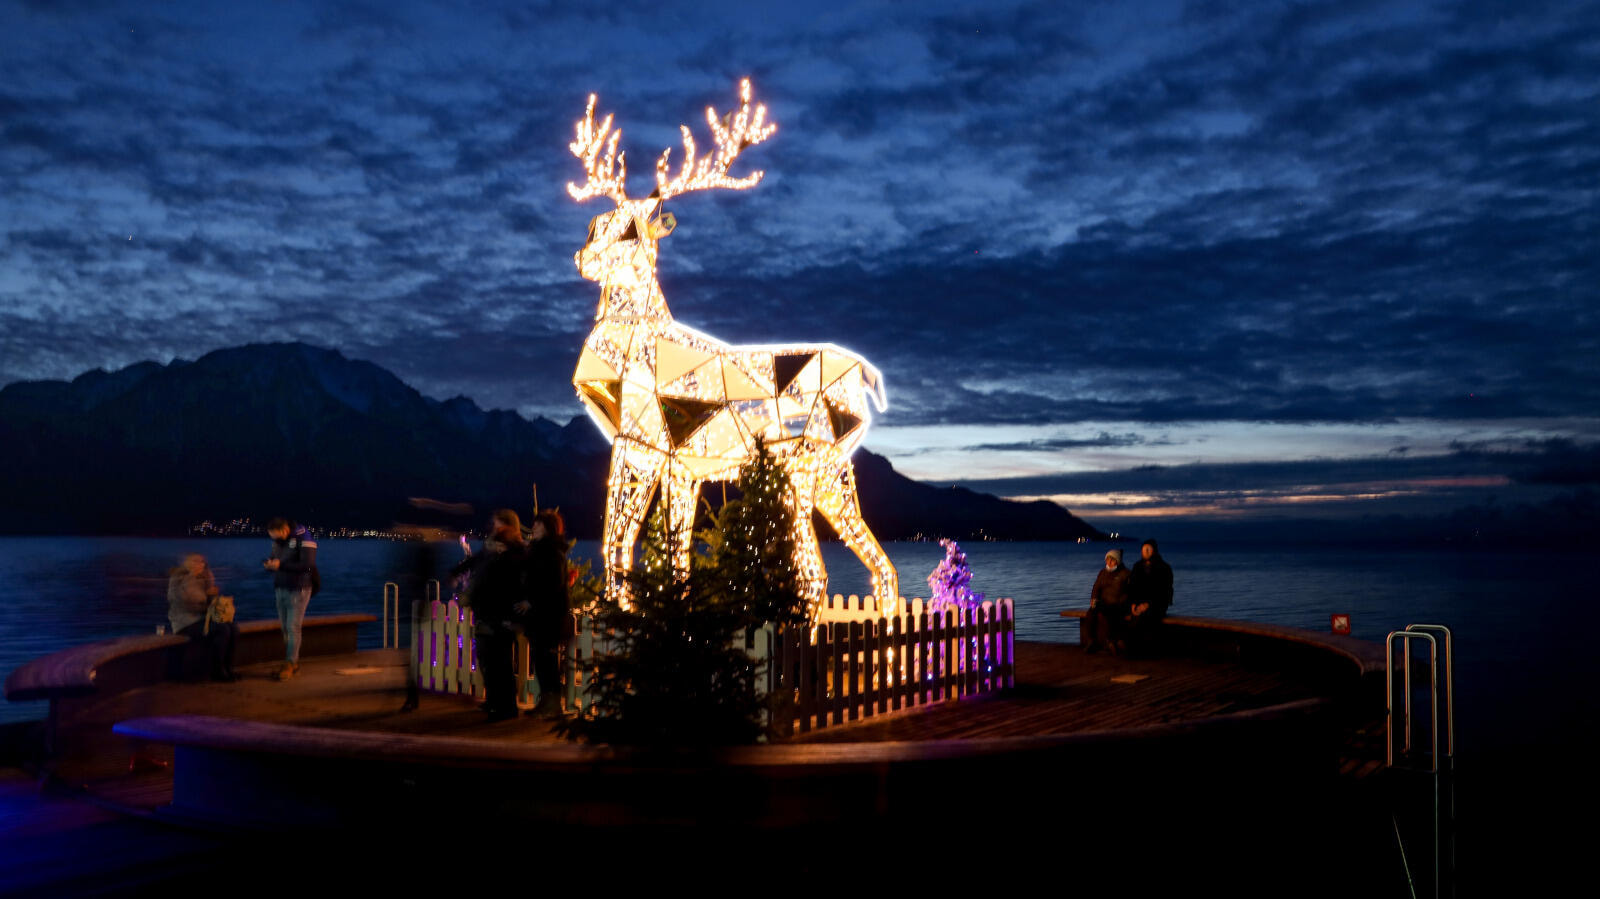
x=681 y=407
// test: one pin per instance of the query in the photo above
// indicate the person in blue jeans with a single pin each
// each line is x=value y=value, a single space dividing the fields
x=293 y=563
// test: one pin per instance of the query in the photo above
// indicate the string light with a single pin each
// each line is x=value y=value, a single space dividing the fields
x=681 y=407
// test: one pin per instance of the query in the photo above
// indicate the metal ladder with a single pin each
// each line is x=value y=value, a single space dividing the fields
x=1435 y=767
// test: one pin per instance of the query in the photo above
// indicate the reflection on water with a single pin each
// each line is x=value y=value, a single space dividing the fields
x=1524 y=623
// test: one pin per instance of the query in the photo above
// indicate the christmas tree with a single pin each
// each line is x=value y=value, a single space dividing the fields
x=678 y=671
x=751 y=551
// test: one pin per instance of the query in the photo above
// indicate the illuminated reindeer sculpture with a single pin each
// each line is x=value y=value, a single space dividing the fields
x=681 y=407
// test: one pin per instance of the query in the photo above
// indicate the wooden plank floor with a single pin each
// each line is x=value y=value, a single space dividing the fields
x=1059 y=690
x=367 y=697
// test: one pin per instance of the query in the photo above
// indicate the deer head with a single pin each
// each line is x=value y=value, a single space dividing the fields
x=621 y=249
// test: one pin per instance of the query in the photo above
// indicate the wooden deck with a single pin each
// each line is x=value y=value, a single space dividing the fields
x=359 y=692
x=1060 y=690
x=1238 y=739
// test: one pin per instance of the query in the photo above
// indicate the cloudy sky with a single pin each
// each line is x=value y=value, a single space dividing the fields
x=1146 y=258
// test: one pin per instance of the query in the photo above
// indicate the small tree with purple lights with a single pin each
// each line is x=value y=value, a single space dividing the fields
x=948 y=583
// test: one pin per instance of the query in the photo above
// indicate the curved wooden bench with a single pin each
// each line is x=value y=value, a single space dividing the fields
x=71 y=672
x=77 y=671
x=1363 y=656
x=265 y=775
x=304 y=741
x=87 y=673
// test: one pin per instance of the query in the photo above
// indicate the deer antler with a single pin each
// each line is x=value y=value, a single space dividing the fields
x=733 y=132
x=608 y=174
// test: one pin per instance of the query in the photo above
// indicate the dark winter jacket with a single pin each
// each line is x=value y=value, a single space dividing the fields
x=499 y=583
x=296 y=556
x=1110 y=587
x=1151 y=582
x=547 y=587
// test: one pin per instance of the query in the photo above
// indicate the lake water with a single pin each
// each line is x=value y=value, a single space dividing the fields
x=1524 y=623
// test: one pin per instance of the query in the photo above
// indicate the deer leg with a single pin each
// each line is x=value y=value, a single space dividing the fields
x=681 y=497
x=839 y=504
x=635 y=469
x=808 y=553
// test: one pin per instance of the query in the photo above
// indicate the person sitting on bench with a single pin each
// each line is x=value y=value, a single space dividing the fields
x=1107 y=621
x=1149 y=596
x=191 y=589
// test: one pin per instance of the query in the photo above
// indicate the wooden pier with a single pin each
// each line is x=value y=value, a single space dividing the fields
x=1254 y=726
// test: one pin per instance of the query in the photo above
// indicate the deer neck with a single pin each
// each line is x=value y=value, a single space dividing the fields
x=634 y=303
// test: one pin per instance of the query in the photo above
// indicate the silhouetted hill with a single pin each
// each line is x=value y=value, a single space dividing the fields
x=895 y=505
x=290 y=429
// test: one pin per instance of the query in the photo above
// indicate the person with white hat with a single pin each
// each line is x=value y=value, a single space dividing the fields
x=1104 y=627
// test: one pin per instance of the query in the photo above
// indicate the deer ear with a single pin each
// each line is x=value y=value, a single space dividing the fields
x=663 y=225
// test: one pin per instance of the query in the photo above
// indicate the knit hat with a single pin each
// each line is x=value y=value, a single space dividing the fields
x=1114 y=554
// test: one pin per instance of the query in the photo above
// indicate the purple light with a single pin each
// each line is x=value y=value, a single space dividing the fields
x=948 y=582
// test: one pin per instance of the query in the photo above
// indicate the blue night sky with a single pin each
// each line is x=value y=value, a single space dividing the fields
x=1146 y=258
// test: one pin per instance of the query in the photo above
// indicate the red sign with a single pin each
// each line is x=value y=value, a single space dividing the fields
x=1341 y=624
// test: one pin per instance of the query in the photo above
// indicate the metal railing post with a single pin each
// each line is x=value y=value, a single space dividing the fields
x=1448 y=786
x=1433 y=658
x=391 y=592
x=1447 y=659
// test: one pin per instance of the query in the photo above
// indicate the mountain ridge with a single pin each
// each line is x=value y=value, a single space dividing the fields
x=293 y=429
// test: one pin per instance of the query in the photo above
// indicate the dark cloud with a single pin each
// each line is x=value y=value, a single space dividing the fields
x=1103 y=439
x=1545 y=462
x=1024 y=213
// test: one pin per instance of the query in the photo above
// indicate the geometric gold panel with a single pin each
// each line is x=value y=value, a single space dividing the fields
x=674 y=360
x=740 y=386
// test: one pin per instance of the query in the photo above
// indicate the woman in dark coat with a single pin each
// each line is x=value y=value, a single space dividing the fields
x=1105 y=627
x=499 y=587
x=546 y=615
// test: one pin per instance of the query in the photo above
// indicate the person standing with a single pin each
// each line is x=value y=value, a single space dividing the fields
x=546 y=614
x=191 y=590
x=293 y=563
x=1149 y=595
x=498 y=587
x=1105 y=626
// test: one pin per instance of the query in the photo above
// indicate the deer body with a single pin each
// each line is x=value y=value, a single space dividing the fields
x=681 y=407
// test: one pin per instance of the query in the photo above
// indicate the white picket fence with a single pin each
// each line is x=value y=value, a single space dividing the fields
x=853 y=664
x=444 y=655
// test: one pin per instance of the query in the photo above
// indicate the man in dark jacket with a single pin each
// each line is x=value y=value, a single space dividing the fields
x=293 y=563
x=546 y=613
x=498 y=588
x=1149 y=595
x=1105 y=625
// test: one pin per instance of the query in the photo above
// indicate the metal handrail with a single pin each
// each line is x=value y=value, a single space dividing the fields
x=1448 y=660
x=1440 y=780
x=1407 y=636
x=391 y=591
x=1448 y=787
